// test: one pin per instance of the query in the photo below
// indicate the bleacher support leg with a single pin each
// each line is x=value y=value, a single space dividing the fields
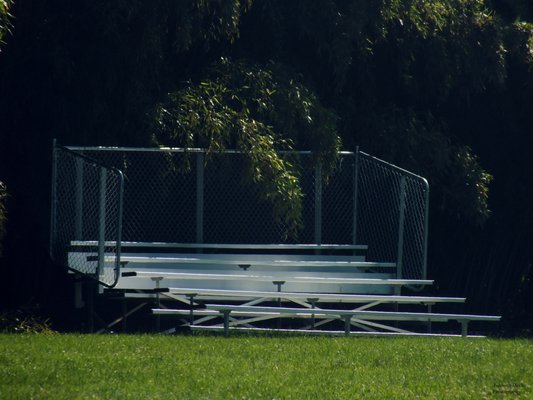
x=313 y=305
x=191 y=304
x=124 y=314
x=91 y=288
x=464 y=328
x=430 y=310
x=226 y=322
x=157 y=280
x=347 y=324
x=279 y=284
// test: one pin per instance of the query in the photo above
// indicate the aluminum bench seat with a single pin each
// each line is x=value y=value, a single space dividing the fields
x=349 y=315
x=223 y=246
x=317 y=297
x=256 y=260
x=318 y=332
x=270 y=278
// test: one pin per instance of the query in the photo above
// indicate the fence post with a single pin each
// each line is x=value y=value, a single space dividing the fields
x=355 y=194
x=53 y=203
x=200 y=197
x=78 y=218
x=318 y=203
x=401 y=225
x=120 y=208
x=426 y=232
x=102 y=223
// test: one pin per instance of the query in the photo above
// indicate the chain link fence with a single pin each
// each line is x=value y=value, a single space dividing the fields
x=392 y=215
x=86 y=215
x=187 y=196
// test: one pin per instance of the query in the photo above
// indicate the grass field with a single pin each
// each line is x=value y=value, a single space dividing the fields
x=261 y=367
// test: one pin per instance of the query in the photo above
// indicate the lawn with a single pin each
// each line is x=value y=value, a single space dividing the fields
x=261 y=367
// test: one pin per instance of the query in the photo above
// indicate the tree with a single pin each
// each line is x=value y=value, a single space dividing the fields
x=261 y=111
x=443 y=87
x=86 y=73
x=395 y=72
x=5 y=18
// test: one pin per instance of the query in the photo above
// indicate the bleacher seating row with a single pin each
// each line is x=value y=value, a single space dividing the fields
x=245 y=287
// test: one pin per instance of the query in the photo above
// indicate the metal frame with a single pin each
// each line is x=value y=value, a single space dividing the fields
x=402 y=195
x=101 y=243
x=402 y=204
x=420 y=265
x=360 y=317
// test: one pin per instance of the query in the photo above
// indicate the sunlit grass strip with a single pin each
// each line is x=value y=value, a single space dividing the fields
x=261 y=367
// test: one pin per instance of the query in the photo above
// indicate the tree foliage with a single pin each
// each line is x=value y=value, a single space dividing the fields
x=397 y=73
x=103 y=64
x=5 y=18
x=419 y=142
x=260 y=111
x=440 y=87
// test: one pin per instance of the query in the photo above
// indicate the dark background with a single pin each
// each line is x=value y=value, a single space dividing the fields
x=89 y=72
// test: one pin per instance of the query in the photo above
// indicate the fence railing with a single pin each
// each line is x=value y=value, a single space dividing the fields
x=186 y=196
x=87 y=199
x=392 y=215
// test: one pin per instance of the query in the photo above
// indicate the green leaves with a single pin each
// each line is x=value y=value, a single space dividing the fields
x=5 y=18
x=472 y=184
x=262 y=111
x=422 y=144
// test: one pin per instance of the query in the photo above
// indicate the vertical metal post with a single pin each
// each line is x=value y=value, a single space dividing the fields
x=278 y=284
x=226 y=322
x=191 y=297
x=430 y=310
x=426 y=231
x=318 y=203
x=120 y=208
x=355 y=194
x=102 y=223
x=91 y=288
x=53 y=203
x=401 y=226
x=124 y=315
x=313 y=301
x=464 y=327
x=78 y=216
x=157 y=281
x=200 y=197
x=347 y=324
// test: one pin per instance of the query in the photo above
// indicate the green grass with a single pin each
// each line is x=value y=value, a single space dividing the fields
x=259 y=367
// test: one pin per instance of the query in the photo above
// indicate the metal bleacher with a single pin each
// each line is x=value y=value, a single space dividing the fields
x=199 y=249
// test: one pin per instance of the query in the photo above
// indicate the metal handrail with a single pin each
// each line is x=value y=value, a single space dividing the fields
x=379 y=174
x=55 y=241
